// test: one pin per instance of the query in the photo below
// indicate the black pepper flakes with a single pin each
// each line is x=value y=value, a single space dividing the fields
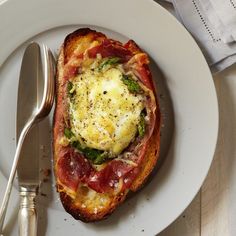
x=104 y=92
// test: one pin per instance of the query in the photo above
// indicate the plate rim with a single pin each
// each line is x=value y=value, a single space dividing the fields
x=8 y=52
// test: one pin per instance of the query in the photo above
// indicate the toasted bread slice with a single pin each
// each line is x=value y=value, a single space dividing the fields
x=85 y=203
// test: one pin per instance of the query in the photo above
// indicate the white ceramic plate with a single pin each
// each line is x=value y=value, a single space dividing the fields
x=187 y=96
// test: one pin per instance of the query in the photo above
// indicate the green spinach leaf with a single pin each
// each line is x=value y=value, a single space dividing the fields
x=109 y=61
x=141 y=125
x=68 y=133
x=96 y=156
x=70 y=90
x=132 y=85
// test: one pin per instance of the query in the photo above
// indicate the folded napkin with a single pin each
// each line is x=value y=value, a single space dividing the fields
x=213 y=25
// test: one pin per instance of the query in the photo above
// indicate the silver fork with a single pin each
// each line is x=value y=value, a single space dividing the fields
x=42 y=112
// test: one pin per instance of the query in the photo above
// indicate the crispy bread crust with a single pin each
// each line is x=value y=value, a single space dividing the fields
x=75 y=206
x=79 y=214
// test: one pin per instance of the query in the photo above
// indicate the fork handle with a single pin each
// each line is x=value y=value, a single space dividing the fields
x=27 y=217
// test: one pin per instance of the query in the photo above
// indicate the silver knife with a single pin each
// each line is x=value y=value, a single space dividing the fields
x=28 y=166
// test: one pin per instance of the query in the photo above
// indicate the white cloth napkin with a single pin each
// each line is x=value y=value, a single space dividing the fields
x=213 y=24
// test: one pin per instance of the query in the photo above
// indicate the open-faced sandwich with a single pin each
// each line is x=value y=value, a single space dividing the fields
x=106 y=123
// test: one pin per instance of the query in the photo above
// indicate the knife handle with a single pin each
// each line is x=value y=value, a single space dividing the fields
x=27 y=217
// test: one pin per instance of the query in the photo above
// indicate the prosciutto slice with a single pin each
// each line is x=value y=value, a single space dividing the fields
x=73 y=168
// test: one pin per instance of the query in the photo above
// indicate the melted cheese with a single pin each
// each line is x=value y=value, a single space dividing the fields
x=93 y=201
x=104 y=114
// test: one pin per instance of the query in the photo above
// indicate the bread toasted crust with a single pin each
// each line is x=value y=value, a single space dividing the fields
x=98 y=205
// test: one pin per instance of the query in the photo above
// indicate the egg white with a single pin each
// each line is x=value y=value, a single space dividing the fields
x=104 y=114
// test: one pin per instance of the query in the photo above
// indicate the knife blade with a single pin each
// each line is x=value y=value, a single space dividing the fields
x=28 y=166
